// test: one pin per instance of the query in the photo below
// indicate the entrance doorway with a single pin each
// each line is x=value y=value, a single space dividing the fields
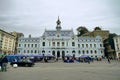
x=53 y=53
x=63 y=55
x=58 y=54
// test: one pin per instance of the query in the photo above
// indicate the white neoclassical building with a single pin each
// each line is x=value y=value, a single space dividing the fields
x=60 y=43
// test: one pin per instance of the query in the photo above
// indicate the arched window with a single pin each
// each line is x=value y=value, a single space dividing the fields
x=83 y=45
x=101 y=51
x=73 y=51
x=35 y=51
x=27 y=51
x=79 y=51
x=43 y=51
x=87 y=51
x=83 y=52
x=78 y=45
x=87 y=45
x=31 y=51
x=95 y=45
x=90 y=45
x=91 y=51
x=95 y=51
x=63 y=53
x=53 y=53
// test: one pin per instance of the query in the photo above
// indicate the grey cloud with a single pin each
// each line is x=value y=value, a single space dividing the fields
x=33 y=16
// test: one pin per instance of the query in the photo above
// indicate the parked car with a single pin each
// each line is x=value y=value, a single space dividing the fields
x=23 y=64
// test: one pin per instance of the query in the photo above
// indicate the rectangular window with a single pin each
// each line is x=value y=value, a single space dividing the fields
x=43 y=43
x=90 y=45
x=27 y=51
x=58 y=43
x=63 y=44
x=53 y=43
x=78 y=45
x=31 y=45
x=100 y=45
x=28 y=45
x=95 y=45
x=35 y=45
x=24 y=45
x=87 y=45
x=83 y=45
x=35 y=51
x=73 y=43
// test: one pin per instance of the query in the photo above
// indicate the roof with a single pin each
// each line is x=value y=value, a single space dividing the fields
x=50 y=33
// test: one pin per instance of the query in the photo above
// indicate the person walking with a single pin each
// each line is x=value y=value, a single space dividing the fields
x=0 y=63
x=4 y=62
x=109 y=60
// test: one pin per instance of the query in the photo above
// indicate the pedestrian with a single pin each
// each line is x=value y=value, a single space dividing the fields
x=4 y=62
x=109 y=60
x=0 y=63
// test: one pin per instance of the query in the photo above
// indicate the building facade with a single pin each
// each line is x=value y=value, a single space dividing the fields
x=98 y=32
x=91 y=46
x=28 y=45
x=117 y=46
x=17 y=35
x=7 y=42
x=1 y=38
x=61 y=43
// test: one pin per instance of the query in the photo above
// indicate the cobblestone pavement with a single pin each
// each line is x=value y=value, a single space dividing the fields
x=65 y=71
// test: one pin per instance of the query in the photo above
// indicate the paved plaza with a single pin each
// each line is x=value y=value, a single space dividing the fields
x=65 y=71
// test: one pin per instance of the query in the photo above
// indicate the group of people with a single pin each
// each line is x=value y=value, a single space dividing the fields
x=3 y=63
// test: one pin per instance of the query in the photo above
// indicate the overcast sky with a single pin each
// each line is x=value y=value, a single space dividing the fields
x=34 y=16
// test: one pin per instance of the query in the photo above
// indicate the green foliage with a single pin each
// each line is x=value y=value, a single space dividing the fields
x=81 y=30
x=97 y=28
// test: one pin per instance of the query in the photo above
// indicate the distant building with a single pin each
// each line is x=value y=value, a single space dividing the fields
x=117 y=46
x=61 y=43
x=7 y=42
x=98 y=32
x=17 y=35
x=28 y=45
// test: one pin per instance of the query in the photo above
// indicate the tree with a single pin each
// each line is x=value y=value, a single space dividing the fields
x=97 y=28
x=81 y=30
